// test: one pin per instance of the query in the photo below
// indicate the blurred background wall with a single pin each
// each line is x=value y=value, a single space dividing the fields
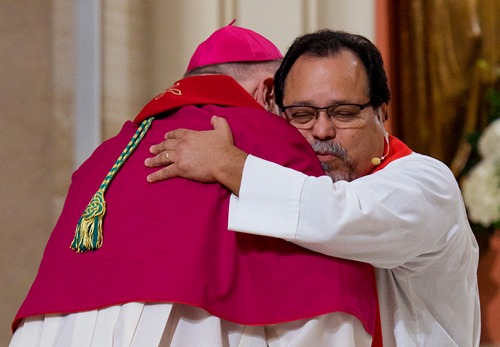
x=71 y=72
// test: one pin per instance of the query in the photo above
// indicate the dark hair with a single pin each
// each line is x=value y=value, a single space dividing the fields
x=326 y=43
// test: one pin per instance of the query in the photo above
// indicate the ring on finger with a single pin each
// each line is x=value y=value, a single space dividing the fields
x=167 y=157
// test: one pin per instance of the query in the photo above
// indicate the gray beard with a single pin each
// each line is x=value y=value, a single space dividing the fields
x=348 y=173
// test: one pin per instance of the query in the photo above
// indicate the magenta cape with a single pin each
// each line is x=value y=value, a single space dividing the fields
x=169 y=242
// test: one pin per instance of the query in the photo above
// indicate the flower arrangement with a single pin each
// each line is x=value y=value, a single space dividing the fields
x=481 y=186
x=480 y=181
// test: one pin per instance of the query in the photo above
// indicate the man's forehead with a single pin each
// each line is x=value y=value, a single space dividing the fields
x=331 y=79
x=344 y=58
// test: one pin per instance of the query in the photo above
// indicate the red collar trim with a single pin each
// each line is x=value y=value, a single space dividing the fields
x=397 y=149
x=218 y=90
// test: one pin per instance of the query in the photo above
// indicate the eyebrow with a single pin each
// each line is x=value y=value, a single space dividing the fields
x=331 y=103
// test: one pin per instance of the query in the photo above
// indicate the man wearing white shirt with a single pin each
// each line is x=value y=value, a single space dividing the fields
x=382 y=203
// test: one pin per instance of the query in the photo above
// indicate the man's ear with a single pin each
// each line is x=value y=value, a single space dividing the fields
x=382 y=113
x=264 y=94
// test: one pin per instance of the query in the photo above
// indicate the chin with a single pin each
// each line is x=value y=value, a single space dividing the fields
x=336 y=175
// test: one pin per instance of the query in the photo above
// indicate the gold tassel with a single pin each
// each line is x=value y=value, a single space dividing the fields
x=89 y=234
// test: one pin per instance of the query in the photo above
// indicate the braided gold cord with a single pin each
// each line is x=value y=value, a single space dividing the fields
x=89 y=233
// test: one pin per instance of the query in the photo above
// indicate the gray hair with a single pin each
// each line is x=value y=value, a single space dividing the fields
x=239 y=71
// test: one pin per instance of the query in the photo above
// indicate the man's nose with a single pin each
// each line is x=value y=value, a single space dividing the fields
x=323 y=129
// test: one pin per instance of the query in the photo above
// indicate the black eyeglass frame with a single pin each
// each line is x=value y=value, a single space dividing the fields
x=327 y=108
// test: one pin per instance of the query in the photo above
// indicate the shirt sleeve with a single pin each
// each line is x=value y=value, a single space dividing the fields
x=402 y=214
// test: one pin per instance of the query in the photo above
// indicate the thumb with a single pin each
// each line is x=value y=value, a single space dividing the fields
x=222 y=127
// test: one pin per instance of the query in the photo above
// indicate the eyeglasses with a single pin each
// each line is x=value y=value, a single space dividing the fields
x=341 y=115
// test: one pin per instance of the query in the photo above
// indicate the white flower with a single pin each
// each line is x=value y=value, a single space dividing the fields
x=489 y=143
x=481 y=192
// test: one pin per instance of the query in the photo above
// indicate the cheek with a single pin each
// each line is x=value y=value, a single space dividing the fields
x=363 y=147
x=356 y=145
x=351 y=141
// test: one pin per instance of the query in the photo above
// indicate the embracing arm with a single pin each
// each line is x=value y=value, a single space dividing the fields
x=404 y=214
x=215 y=159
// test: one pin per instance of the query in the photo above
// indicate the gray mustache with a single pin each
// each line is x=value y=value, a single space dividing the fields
x=331 y=148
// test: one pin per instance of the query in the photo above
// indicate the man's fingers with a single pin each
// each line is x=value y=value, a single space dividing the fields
x=177 y=134
x=220 y=124
x=166 y=145
x=222 y=127
x=186 y=153
x=161 y=159
x=171 y=139
x=163 y=174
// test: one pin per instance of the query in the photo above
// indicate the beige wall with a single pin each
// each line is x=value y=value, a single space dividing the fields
x=26 y=142
x=145 y=47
